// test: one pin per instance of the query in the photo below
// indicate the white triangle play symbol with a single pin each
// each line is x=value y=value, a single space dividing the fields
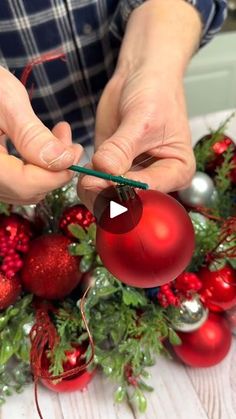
x=116 y=209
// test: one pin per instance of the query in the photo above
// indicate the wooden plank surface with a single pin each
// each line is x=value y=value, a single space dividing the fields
x=180 y=392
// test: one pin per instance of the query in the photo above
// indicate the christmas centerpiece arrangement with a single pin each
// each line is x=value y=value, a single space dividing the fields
x=76 y=298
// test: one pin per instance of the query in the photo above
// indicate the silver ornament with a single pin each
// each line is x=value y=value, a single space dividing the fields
x=200 y=192
x=192 y=315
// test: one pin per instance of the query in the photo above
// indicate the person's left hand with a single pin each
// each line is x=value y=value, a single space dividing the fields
x=142 y=114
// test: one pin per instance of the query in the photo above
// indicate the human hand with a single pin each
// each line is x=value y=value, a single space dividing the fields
x=142 y=110
x=45 y=154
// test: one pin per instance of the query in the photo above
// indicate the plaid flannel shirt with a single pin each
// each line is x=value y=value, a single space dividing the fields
x=90 y=33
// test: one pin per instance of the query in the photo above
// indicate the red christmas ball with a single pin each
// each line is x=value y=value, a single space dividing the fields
x=156 y=250
x=10 y=289
x=74 y=383
x=218 y=290
x=78 y=214
x=206 y=346
x=49 y=270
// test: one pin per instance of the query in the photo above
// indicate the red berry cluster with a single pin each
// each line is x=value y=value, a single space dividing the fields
x=166 y=296
x=183 y=287
x=15 y=234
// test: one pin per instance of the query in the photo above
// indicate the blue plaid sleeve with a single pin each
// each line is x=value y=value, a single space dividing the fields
x=212 y=12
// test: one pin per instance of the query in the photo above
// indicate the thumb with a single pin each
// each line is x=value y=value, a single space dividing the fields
x=32 y=139
x=116 y=154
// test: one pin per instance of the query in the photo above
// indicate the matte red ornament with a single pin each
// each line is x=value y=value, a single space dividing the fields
x=10 y=289
x=49 y=270
x=218 y=290
x=78 y=214
x=156 y=250
x=78 y=382
x=206 y=346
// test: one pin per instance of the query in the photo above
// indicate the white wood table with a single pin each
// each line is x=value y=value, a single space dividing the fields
x=180 y=392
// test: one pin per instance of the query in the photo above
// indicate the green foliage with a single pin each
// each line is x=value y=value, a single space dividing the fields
x=203 y=149
x=4 y=208
x=86 y=246
x=206 y=239
x=14 y=345
x=14 y=376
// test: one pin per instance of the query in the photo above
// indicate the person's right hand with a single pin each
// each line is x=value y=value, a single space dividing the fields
x=45 y=154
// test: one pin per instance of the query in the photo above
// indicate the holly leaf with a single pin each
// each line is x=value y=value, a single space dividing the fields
x=86 y=263
x=132 y=297
x=92 y=229
x=174 y=339
x=77 y=231
x=6 y=351
x=84 y=249
x=120 y=394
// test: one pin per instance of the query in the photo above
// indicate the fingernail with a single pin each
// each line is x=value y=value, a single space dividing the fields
x=54 y=155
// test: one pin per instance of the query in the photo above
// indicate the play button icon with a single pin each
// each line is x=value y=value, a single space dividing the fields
x=116 y=209
x=114 y=214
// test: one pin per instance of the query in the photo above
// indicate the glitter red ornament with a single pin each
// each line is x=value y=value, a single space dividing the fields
x=49 y=270
x=78 y=214
x=154 y=252
x=10 y=289
x=78 y=382
x=218 y=290
x=206 y=346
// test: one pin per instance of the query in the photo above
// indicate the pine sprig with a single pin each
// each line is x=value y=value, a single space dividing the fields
x=206 y=239
x=86 y=246
x=203 y=150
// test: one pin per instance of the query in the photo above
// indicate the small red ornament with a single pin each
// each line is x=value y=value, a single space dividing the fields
x=78 y=214
x=10 y=289
x=218 y=290
x=154 y=252
x=206 y=346
x=218 y=149
x=49 y=270
x=74 y=383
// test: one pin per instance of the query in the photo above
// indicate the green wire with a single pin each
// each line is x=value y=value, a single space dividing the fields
x=102 y=175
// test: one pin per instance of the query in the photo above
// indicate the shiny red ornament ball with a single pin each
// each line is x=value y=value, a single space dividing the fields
x=74 y=383
x=10 y=289
x=156 y=250
x=206 y=346
x=49 y=270
x=78 y=214
x=218 y=290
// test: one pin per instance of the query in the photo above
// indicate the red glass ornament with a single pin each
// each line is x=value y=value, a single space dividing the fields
x=78 y=382
x=206 y=346
x=78 y=214
x=10 y=289
x=49 y=270
x=156 y=250
x=218 y=290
